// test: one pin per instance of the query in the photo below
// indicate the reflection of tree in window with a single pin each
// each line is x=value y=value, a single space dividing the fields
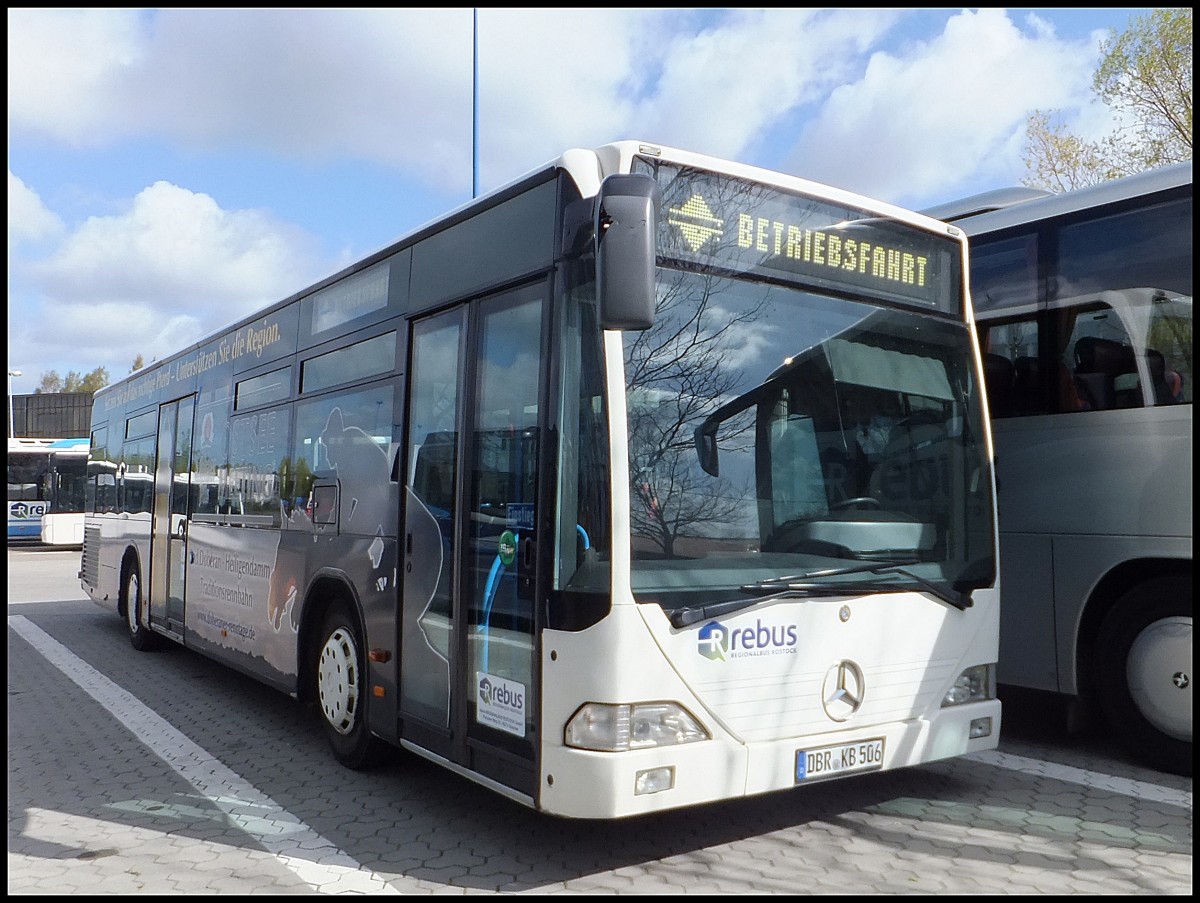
x=677 y=373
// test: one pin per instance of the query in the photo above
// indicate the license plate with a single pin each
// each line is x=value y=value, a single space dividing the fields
x=829 y=761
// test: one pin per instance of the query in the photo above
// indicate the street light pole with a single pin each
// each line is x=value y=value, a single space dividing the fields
x=11 y=428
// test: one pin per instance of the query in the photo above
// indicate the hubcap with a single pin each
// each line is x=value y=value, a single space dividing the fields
x=1159 y=674
x=337 y=680
x=133 y=601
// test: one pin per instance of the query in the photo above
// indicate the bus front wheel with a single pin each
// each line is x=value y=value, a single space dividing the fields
x=140 y=635
x=341 y=689
x=1144 y=660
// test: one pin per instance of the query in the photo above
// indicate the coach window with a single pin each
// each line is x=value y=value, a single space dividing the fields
x=350 y=436
x=263 y=389
x=141 y=425
x=1104 y=358
x=97 y=463
x=137 y=476
x=1010 y=366
x=369 y=357
x=1004 y=275
x=1170 y=333
x=211 y=440
x=258 y=444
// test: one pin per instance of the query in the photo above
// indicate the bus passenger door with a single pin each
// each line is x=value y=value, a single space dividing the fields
x=430 y=530
x=172 y=491
x=468 y=658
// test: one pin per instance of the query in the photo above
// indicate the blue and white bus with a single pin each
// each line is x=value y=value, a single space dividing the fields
x=46 y=478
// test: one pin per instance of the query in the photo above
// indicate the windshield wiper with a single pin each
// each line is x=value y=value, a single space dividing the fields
x=798 y=583
x=682 y=617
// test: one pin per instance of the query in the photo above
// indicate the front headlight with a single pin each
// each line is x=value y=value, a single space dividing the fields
x=973 y=685
x=618 y=728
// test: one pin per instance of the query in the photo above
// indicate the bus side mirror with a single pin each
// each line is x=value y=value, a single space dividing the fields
x=706 y=447
x=626 y=229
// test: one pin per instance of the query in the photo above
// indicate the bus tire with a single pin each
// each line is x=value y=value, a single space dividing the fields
x=1143 y=678
x=141 y=636
x=341 y=689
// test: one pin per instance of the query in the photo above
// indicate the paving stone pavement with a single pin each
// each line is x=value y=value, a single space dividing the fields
x=167 y=773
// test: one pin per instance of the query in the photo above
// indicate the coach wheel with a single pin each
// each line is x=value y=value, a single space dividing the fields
x=140 y=635
x=341 y=690
x=1144 y=661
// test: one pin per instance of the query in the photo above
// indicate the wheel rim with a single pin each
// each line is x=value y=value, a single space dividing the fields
x=1158 y=672
x=133 y=601
x=337 y=680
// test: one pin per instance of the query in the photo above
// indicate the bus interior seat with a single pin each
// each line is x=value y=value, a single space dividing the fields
x=998 y=377
x=1098 y=363
x=1157 y=366
x=1027 y=386
x=1174 y=386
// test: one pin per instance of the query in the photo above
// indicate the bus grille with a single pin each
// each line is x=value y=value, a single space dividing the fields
x=91 y=555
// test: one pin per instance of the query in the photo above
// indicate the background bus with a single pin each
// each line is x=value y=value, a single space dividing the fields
x=583 y=491
x=1083 y=303
x=62 y=524
x=46 y=478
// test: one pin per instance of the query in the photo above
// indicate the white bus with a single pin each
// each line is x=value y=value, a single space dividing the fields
x=1083 y=305
x=45 y=489
x=585 y=491
x=62 y=524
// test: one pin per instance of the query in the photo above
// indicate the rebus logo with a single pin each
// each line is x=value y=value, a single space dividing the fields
x=713 y=641
x=490 y=694
x=717 y=642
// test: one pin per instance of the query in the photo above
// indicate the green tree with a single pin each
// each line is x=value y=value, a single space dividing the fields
x=51 y=383
x=1145 y=77
x=74 y=381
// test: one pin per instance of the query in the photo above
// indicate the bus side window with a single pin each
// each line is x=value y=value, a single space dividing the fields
x=998 y=377
x=1010 y=368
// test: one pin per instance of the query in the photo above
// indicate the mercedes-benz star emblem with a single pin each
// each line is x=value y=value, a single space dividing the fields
x=843 y=690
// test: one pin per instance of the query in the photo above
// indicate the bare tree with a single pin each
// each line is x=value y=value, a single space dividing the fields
x=1145 y=77
x=678 y=372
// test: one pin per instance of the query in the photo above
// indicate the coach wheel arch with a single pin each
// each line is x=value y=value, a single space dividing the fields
x=1107 y=593
x=128 y=562
x=326 y=591
x=1143 y=663
x=129 y=601
x=334 y=672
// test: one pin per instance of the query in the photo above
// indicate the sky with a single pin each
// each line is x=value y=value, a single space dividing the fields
x=171 y=171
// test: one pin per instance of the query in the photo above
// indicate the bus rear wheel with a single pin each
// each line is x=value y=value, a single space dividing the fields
x=141 y=636
x=341 y=689
x=1144 y=661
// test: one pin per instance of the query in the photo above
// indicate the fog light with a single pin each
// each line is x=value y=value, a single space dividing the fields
x=654 y=780
x=980 y=727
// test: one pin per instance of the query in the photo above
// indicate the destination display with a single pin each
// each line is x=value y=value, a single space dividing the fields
x=749 y=227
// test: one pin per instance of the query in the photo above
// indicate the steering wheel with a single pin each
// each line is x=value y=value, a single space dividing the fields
x=862 y=501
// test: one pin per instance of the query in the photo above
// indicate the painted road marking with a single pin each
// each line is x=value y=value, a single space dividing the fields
x=315 y=860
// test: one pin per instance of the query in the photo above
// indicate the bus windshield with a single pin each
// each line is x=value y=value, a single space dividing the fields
x=777 y=432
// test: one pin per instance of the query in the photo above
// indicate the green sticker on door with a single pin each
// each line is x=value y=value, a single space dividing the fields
x=507 y=548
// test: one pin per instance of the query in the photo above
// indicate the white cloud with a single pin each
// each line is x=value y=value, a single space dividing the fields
x=808 y=91
x=65 y=69
x=169 y=270
x=723 y=88
x=29 y=220
x=947 y=110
